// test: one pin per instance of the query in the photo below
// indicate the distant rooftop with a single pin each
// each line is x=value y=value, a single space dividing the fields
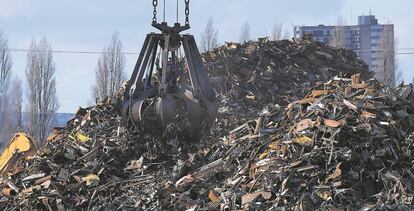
x=362 y=20
x=367 y=20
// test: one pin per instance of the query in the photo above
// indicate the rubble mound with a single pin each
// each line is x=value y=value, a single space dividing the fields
x=336 y=143
x=348 y=145
x=258 y=73
x=98 y=163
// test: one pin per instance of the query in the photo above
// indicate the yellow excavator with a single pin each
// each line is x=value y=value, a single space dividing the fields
x=21 y=146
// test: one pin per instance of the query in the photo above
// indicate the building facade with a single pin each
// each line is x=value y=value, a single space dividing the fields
x=364 y=39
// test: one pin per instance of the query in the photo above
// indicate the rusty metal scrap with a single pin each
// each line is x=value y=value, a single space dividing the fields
x=335 y=157
x=259 y=73
x=301 y=126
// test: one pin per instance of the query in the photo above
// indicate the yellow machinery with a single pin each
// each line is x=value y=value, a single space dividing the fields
x=20 y=146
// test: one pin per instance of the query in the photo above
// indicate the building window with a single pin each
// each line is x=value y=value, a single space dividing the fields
x=376 y=27
x=376 y=33
x=318 y=33
x=356 y=38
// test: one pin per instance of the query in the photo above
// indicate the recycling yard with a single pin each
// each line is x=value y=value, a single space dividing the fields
x=336 y=141
x=289 y=124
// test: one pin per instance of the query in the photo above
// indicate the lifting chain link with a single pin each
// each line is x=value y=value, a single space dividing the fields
x=154 y=4
x=187 y=12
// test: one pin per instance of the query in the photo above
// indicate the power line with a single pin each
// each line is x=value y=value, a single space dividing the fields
x=390 y=49
x=136 y=53
x=407 y=53
x=68 y=51
x=404 y=48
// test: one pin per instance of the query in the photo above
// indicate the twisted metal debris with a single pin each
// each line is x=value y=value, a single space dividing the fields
x=290 y=136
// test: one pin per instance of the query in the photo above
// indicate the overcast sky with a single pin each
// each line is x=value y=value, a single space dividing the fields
x=79 y=25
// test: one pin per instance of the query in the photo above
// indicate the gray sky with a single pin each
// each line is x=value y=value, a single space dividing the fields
x=79 y=25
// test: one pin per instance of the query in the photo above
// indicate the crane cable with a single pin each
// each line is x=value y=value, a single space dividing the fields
x=177 y=13
x=164 y=9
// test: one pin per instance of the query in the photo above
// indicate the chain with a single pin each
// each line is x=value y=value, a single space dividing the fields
x=155 y=4
x=187 y=12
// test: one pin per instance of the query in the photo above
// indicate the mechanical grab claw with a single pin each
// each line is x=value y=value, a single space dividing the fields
x=179 y=81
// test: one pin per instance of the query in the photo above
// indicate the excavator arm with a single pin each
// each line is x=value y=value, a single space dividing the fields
x=20 y=146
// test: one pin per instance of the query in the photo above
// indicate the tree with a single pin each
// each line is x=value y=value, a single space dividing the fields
x=286 y=35
x=16 y=100
x=386 y=71
x=6 y=126
x=209 y=38
x=5 y=73
x=42 y=100
x=13 y=110
x=5 y=66
x=277 y=32
x=109 y=73
x=398 y=73
x=338 y=38
x=245 y=33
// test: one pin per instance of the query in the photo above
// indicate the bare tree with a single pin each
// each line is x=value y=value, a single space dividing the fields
x=5 y=70
x=5 y=73
x=277 y=32
x=386 y=71
x=12 y=115
x=5 y=66
x=42 y=100
x=109 y=73
x=338 y=38
x=245 y=33
x=286 y=35
x=209 y=38
x=16 y=100
x=398 y=73
x=6 y=126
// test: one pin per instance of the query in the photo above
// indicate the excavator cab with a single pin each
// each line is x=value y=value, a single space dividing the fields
x=170 y=75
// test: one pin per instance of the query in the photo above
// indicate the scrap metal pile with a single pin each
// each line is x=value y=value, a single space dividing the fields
x=258 y=73
x=347 y=145
x=319 y=142
x=96 y=163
